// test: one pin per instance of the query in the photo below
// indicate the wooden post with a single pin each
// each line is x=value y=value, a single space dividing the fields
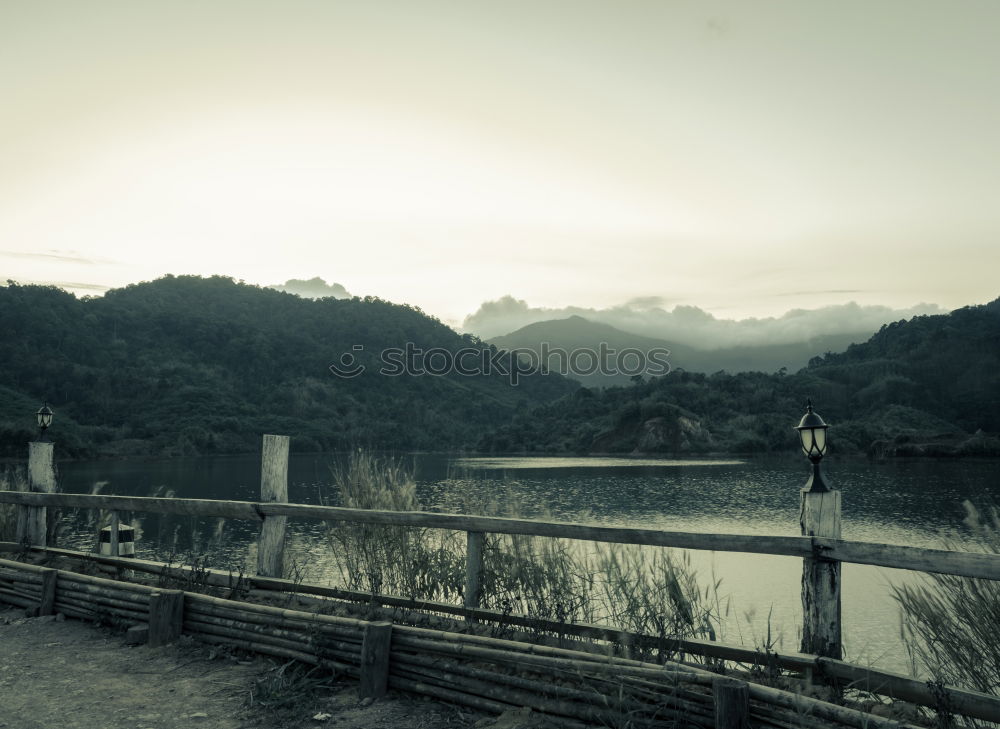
x=732 y=703
x=41 y=477
x=473 y=568
x=273 y=488
x=23 y=516
x=375 y=660
x=166 y=616
x=115 y=524
x=46 y=604
x=821 y=632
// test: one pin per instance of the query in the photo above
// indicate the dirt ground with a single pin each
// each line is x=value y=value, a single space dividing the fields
x=67 y=674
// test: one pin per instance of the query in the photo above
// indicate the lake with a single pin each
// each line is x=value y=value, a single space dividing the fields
x=910 y=502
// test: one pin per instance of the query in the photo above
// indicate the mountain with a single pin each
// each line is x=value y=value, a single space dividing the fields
x=926 y=386
x=188 y=365
x=576 y=332
x=557 y=340
x=651 y=316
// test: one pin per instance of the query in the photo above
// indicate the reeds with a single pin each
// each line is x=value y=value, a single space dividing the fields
x=645 y=590
x=415 y=563
x=950 y=623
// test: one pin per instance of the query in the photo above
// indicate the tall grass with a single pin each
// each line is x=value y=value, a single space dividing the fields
x=950 y=623
x=647 y=590
x=414 y=563
x=11 y=479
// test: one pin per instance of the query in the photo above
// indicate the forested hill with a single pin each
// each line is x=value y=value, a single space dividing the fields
x=920 y=387
x=186 y=365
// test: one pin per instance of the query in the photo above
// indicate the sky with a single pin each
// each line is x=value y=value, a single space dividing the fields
x=744 y=158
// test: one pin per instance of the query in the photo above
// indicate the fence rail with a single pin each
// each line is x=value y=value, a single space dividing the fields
x=962 y=564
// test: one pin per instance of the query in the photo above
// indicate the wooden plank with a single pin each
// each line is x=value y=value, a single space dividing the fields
x=142 y=592
x=796 y=546
x=820 y=710
x=898 y=686
x=962 y=564
x=821 y=604
x=731 y=698
x=166 y=616
x=375 y=650
x=15 y=598
x=473 y=568
x=793 y=546
x=24 y=567
x=336 y=621
x=246 y=510
x=273 y=489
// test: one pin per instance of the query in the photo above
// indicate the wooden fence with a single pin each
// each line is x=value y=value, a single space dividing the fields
x=573 y=688
x=820 y=548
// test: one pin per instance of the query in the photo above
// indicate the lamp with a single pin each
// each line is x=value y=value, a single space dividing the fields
x=812 y=435
x=44 y=417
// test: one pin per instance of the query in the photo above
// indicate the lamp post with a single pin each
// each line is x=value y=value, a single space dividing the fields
x=819 y=516
x=44 y=417
x=35 y=524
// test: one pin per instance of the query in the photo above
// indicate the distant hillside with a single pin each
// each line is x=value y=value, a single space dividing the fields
x=577 y=332
x=187 y=365
x=927 y=386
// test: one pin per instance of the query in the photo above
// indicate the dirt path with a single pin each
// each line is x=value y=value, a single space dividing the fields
x=57 y=674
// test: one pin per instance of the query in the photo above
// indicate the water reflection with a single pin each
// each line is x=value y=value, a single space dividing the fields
x=540 y=462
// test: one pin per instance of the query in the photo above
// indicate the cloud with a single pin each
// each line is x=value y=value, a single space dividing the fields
x=696 y=327
x=71 y=286
x=814 y=292
x=53 y=255
x=77 y=286
x=646 y=302
x=314 y=288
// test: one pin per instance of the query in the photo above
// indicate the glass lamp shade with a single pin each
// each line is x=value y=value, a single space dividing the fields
x=812 y=433
x=44 y=416
x=813 y=441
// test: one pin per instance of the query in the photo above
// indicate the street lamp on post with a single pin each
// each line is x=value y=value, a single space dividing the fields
x=812 y=434
x=819 y=517
x=37 y=526
x=44 y=417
